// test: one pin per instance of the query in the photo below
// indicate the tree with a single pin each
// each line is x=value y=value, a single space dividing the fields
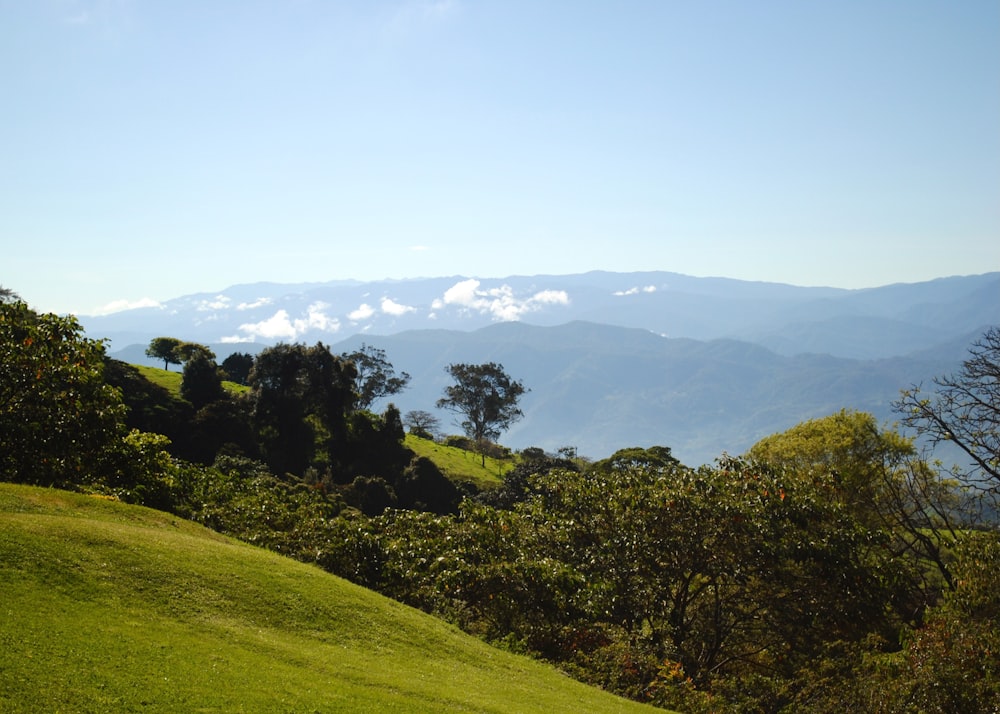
x=59 y=420
x=376 y=378
x=422 y=423
x=301 y=399
x=186 y=351
x=201 y=383
x=237 y=367
x=8 y=295
x=486 y=397
x=164 y=348
x=964 y=412
x=877 y=475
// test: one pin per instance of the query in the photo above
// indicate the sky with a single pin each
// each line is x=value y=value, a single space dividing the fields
x=150 y=150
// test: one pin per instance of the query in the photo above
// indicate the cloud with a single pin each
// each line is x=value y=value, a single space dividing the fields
x=281 y=326
x=120 y=305
x=219 y=302
x=635 y=291
x=363 y=312
x=418 y=248
x=391 y=307
x=499 y=302
x=259 y=302
x=463 y=293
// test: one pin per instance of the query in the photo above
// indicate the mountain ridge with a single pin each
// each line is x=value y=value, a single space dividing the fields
x=874 y=322
x=703 y=365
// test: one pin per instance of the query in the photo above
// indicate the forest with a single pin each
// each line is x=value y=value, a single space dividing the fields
x=835 y=566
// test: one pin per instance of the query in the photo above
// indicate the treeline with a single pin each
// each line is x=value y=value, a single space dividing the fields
x=305 y=416
x=831 y=568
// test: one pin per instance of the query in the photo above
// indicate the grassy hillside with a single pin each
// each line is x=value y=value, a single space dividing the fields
x=459 y=464
x=108 y=607
x=171 y=380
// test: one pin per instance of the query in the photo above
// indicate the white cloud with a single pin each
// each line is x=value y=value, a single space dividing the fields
x=391 y=307
x=281 y=326
x=219 y=302
x=278 y=326
x=120 y=305
x=363 y=312
x=635 y=291
x=551 y=297
x=463 y=293
x=259 y=302
x=232 y=339
x=499 y=302
x=418 y=248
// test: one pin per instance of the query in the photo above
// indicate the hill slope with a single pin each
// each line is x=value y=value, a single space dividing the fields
x=108 y=607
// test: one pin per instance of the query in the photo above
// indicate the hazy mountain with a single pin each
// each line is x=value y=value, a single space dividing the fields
x=703 y=365
x=600 y=388
x=872 y=323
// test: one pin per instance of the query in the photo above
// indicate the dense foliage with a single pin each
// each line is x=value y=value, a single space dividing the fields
x=831 y=568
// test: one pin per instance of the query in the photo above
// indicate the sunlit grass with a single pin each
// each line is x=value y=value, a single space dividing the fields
x=108 y=607
x=460 y=464
x=171 y=380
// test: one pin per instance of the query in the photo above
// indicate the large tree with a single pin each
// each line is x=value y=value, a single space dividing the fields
x=61 y=423
x=486 y=398
x=301 y=399
x=421 y=423
x=376 y=378
x=201 y=383
x=237 y=367
x=164 y=348
x=58 y=417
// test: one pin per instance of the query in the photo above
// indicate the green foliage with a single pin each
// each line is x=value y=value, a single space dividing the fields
x=60 y=422
x=237 y=367
x=201 y=383
x=301 y=399
x=485 y=396
x=640 y=567
x=164 y=348
x=876 y=475
x=953 y=659
x=375 y=377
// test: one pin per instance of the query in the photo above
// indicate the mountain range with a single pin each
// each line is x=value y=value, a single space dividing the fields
x=703 y=365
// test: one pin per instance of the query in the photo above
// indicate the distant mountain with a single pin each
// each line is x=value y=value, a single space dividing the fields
x=703 y=365
x=601 y=388
x=865 y=324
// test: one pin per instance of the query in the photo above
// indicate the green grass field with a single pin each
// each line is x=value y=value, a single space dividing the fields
x=459 y=464
x=171 y=380
x=108 y=607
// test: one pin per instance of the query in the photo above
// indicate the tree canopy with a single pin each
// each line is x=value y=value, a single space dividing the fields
x=375 y=376
x=58 y=418
x=486 y=398
x=164 y=348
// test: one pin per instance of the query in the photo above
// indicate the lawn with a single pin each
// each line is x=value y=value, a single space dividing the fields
x=108 y=607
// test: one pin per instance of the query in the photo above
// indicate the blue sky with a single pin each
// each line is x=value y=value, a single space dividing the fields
x=154 y=149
